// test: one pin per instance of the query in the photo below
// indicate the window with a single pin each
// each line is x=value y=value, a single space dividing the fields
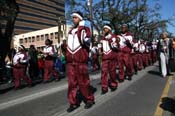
x=46 y=36
x=26 y=40
x=56 y=35
x=33 y=39
x=21 y=41
x=37 y=38
x=42 y=48
x=29 y=39
x=42 y=37
x=51 y=36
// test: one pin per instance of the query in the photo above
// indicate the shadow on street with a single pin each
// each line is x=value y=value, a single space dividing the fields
x=3 y=91
x=168 y=104
x=157 y=73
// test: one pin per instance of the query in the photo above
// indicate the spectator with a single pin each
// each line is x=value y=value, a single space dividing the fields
x=33 y=62
x=164 y=53
x=8 y=62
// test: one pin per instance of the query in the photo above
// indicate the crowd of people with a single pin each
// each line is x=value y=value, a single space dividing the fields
x=118 y=56
x=120 y=52
x=32 y=64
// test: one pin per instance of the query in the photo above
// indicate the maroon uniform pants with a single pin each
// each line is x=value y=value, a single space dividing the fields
x=125 y=60
x=141 y=60
x=95 y=62
x=108 y=67
x=154 y=56
x=49 y=70
x=147 y=59
x=19 y=73
x=78 y=79
x=134 y=57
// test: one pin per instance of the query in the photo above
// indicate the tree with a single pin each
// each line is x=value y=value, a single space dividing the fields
x=97 y=21
x=8 y=13
x=143 y=19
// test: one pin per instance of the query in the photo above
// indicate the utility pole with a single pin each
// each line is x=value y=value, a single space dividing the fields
x=59 y=28
x=60 y=22
x=89 y=3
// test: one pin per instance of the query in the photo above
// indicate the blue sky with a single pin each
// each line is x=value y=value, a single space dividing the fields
x=167 y=11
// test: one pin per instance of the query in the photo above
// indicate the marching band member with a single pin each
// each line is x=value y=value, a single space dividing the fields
x=109 y=46
x=77 y=55
x=126 y=43
x=19 y=67
x=49 y=62
x=141 y=57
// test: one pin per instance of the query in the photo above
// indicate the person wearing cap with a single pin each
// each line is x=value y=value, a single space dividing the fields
x=9 y=65
x=19 y=67
x=109 y=48
x=164 y=50
x=126 y=42
x=78 y=42
x=49 y=70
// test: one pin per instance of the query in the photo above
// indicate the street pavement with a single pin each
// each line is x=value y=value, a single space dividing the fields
x=140 y=97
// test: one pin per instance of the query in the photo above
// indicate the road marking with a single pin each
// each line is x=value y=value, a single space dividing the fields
x=159 y=111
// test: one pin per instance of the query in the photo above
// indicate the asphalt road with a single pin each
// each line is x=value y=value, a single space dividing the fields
x=139 y=97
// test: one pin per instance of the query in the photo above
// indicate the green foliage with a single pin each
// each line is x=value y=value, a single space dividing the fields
x=142 y=19
x=8 y=9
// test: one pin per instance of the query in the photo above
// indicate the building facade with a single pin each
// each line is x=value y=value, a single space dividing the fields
x=38 y=14
x=38 y=37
